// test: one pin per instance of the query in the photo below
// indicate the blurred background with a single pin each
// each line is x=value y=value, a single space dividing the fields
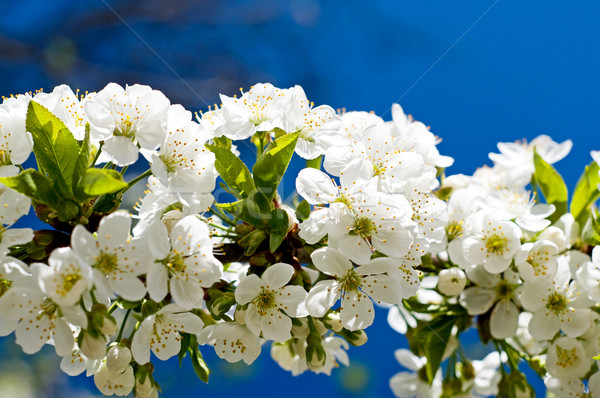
x=476 y=71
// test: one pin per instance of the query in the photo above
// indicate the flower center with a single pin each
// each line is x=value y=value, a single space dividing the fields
x=351 y=282
x=363 y=227
x=48 y=308
x=566 y=357
x=265 y=301
x=125 y=128
x=70 y=280
x=175 y=262
x=496 y=244
x=454 y=229
x=504 y=290
x=107 y=263
x=557 y=303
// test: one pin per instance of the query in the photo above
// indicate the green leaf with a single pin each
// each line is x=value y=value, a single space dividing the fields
x=430 y=339
x=233 y=171
x=272 y=164
x=315 y=163
x=590 y=232
x=33 y=184
x=54 y=146
x=254 y=210
x=552 y=186
x=251 y=241
x=303 y=210
x=279 y=228
x=586 y=193
x=96 y=182
x=200 y=367
x=83 y=159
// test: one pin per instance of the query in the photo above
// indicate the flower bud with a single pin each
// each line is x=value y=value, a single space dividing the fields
x=452 y=281
x=145 y=389
x=334 y=321
x=315 y=353
x=118 y=358
x=109 y=326
x=93 y=347
x=222 y=304
x=356 y=338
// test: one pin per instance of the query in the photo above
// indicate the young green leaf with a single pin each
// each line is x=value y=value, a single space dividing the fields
x=54 y=146
x=200 y=367
x=279 y=228
x=251 y=241
x=430 y=339
x=586 y=193
x=83 y=159
x=33 y=184
x=303 y=210
x=233 y=171
x=272 y=164
x=552 y=186
x=96 y=182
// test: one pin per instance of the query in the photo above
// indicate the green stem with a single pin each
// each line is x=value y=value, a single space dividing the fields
x=123 y=170
x=98 y=153
x=114 y=306
x=136 y=180
x=108 y=165
x=123 y=325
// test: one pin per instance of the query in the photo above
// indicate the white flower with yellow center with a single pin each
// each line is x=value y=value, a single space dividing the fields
x=126 y=119
x=68 y=107
x=16 y=144
x=556 y=306
x=311 y=123
x=537 y=261
x=378 y=280
x=183 y=164
x=493 y=290
x=233 y=342
x=271 y=303
x=516 y=158
x=66 y=277
x=493 y=242
x=566 y=359
x=160 y=333
x=260 y=109
x=391 y=166
x=41 y=320
x=117 y=259
x=184 y=262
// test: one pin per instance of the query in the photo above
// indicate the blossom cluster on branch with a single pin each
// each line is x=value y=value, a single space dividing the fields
x=236 y=266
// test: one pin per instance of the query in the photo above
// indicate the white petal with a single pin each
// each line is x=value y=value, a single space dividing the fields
x=356 y=311
x=331 y=262
x=140 y=345
x=504 y=320
x=277 y=275
x=322 y=297
x=315 y=186
x=276 y=326
x=157 y=281
x=121 y=150
x=248 y=289
x=113 y=230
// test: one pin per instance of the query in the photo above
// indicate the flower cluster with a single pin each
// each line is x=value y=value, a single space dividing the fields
x=374 y=221
x=522 y=268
